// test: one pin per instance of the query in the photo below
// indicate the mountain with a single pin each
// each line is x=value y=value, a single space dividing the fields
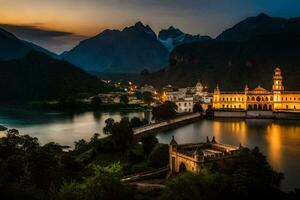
x=237 y=57
x=39 y=76
x=173 y=37
x=261 y=24
x=12 y=47
x=128 y=51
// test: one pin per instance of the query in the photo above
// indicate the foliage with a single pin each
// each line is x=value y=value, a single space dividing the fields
x=147 y=97
x=159 y=157
x=197 y=107
x=124 y=99
x=136 y=122
x=135 y=154
x=104 y=185
x=24 y=164
x=165 y=111
x=149 y=143
x=71 y=104
x=138 y=95
x=96 y=102
x=121 y=133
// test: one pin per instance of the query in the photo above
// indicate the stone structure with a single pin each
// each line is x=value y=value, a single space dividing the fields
x=194 y=157
x=185 y=104
x=277 y=99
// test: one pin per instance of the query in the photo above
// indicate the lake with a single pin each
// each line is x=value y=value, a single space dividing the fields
x=278 y=140
x=63 y=128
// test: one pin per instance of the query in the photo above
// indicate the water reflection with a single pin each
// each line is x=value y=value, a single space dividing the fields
x=63 y=128
x=278 y=140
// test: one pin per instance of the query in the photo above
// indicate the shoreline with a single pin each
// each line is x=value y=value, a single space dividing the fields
x=257 y=115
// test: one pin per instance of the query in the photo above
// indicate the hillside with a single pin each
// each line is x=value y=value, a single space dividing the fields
x=12 y=47
x=233 y=64
x=246 y=53
x=38 y=76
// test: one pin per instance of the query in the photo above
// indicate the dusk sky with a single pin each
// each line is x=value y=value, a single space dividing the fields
x=60 y=24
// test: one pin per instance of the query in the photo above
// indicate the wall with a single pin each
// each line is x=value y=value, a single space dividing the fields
x=237 y=114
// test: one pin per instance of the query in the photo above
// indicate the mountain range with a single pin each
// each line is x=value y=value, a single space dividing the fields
x=247 y=53
x=129 y=51
x=173 y=37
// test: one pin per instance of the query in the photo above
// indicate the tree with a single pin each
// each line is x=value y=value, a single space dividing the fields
x=149 y=143
x=122 y=134
x=80 y=144
x=109 y=123
x=197 y=107
x=104 y=185
x=124 y=99
x=165 y=111
x=138 y=95
x=159 y=157
x=96 y=102
x=136 y=122
x=147 y=97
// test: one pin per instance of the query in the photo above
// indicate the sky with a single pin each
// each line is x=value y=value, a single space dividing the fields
x=59 y=25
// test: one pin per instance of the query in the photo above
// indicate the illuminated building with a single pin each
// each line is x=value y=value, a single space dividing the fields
x=185 y=104
x=198 y=156
x=277 y=99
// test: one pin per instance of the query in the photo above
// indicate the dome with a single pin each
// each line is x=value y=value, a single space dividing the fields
x=260 y=89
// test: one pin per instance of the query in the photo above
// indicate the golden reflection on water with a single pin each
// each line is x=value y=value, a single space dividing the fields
x=273 y=137
x=236 y=128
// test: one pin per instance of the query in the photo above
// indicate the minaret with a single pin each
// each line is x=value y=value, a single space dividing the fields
x=277 y=90
x=217 y=90
x=277 y=81
x=246 y=89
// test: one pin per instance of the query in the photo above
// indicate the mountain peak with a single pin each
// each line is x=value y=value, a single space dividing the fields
x=139 y=24
x=171 y=28
x=263 y=15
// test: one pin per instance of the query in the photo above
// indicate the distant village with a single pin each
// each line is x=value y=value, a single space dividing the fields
x=185 y=98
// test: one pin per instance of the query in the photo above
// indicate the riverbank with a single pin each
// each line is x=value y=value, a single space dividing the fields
x=72 y=106
x=257 y=115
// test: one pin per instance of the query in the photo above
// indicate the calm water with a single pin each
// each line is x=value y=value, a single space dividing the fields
x=278 y=140
x=63 y=128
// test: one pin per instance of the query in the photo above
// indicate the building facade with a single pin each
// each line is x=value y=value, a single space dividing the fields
x=185 y=104
x=195 y=157
x=278 y=99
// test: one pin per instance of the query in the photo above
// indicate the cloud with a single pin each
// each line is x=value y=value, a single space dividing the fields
x=54 y=40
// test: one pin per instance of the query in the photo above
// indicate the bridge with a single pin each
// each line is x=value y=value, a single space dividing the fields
x=143 y=131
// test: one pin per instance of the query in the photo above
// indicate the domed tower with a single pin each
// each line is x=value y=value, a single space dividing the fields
x=277 y=90
x=277 y=81
x=199 y=89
